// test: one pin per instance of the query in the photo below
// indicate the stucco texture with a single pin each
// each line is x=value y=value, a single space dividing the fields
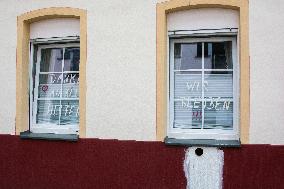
x=121 y=67
x=266 y=23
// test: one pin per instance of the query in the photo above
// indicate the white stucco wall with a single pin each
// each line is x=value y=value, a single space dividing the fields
x=266 y=23
x=121 y=70
x=121 y=64
x=121 y=67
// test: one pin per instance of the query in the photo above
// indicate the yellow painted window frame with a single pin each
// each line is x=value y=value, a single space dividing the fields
x=161 y=60
x=22 y=67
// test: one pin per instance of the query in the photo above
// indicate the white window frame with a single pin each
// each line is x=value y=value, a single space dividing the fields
x=47 y=128
x=216 y=134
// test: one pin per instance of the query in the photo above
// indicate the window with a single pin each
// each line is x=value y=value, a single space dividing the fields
x=181 y=27
x=23 y=86
x=54 y=90
x=203 y=89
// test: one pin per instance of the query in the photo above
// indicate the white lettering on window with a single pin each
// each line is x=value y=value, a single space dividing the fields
x=69 y=93
x=195 y=103
x=226 y=105
x=194 y=85
x=208 y=103
x=77 y=113
x=191 y=85
x=55 y=93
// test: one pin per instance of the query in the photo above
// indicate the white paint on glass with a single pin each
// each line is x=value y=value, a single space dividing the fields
x=180 y=119
x=46 y=115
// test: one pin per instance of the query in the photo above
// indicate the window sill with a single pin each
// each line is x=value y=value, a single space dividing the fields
x=49 y=136
x=202 y=142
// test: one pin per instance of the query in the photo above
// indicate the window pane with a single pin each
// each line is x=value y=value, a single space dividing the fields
x=71 y=59
x=218 y=109
x=48 y=111
x=71 y=85
x=188 y=113
x=202 y=96
x=69 y=112
x=49 y=91
x=187 y=84
x=218 y=55
x=51 y=60
x=53 y=78
x=70 y=91
x=188 y=56
x=49 y=85
x=71 y=78
x=187 y=106
x=59 y=80
x=218 y=114
x=218 y=84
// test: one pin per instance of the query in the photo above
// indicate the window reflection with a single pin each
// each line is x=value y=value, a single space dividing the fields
x=218 y=55
x=51 y=60
x=186 y=57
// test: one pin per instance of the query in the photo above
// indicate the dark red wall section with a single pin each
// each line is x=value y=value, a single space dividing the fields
x=254 y=167
x=89 y=163
x=94 y=163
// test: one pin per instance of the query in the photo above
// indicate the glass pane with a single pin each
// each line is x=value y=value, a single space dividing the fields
x=188 y=56
x=71 y=85
x=49 y=85
x=71 y=78
x=187 y=84
x=51 y=60
x=218 y=55
x=49 y=90
x=218 y=109
x=71 y=59
x=188 y=114
x=54 y=78
x=218 y=114
x=218 y=84
x=69 y=112
x=70 y=90
x=48 y=111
